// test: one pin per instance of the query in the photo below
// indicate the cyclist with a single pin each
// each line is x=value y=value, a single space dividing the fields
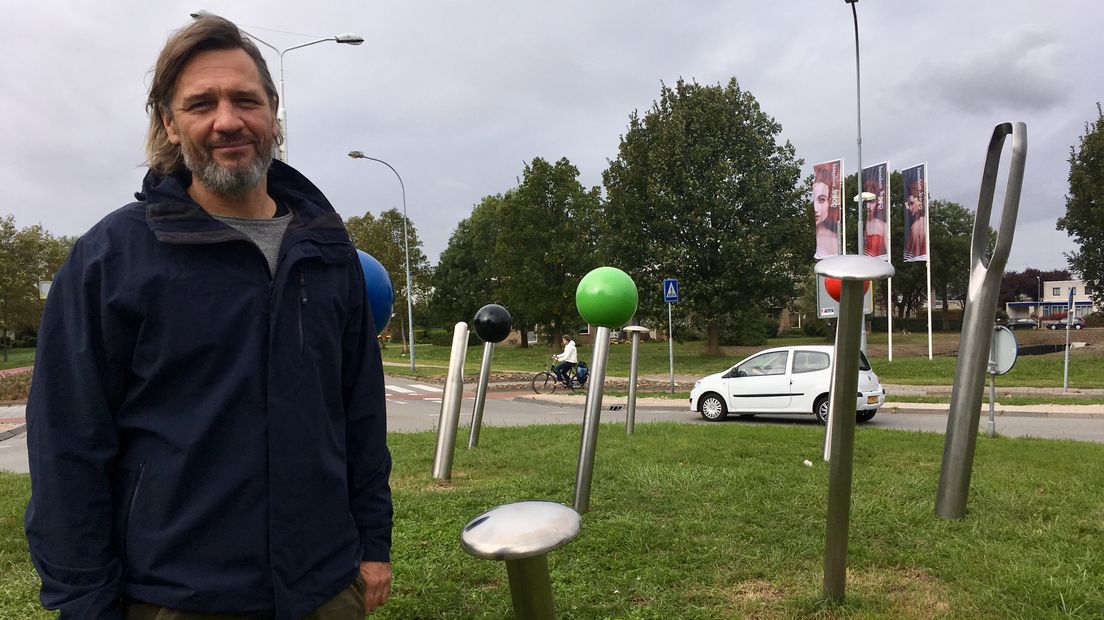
x=567 y=360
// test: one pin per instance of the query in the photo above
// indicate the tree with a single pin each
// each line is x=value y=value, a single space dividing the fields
x=466 y=275
x=27 y=257
x=1084 y=218
x=544 y=245
x=704 y=190
x=382 y=237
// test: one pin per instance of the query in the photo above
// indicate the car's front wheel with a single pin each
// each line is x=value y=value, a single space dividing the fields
x=820 y=409
x=713 y=407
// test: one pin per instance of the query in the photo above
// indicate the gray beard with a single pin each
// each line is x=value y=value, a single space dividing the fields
x=232 y=182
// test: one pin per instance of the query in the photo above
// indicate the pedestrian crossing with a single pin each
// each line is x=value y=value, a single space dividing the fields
x=407 y=392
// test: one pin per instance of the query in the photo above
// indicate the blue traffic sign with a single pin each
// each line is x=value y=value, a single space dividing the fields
x=670 y=290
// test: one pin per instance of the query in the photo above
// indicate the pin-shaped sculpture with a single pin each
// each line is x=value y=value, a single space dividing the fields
x=492 y=324
x=450 y=404
x=630 y=409
x=977 y=320
x=854 y=270
x=381 y=295
x=606 y=297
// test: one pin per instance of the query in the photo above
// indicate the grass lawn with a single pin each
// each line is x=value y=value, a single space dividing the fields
x=18 y=358
x=724 y=521
x=1086 y=367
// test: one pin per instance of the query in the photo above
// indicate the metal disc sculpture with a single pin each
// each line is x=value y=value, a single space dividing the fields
x=854 y=271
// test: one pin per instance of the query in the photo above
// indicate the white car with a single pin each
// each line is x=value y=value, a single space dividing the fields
x=783 y=380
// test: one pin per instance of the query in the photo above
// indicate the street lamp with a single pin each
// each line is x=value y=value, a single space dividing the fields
x=281 y=112
x=858 y=110
x=406 y=252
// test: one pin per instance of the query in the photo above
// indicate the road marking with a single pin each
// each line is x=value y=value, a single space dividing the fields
x=427 y=388
x=400 y=390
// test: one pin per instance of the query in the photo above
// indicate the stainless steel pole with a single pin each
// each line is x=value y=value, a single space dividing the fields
x=1065 y=370
x=591 y=420
x=450 y=404
x=630 y=413
x=853 y=271
x=480 y=394
x=992 y=431
x=977 y=321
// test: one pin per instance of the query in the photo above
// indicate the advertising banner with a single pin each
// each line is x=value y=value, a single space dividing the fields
x=916 y=212
x=828 y=207
x=875 y=180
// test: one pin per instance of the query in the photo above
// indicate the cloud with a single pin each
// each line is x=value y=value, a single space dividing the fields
x=1017 y=72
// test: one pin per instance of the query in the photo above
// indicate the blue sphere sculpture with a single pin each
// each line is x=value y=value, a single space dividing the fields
x=381 y=295
x=493 y=323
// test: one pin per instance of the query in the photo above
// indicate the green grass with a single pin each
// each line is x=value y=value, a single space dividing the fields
x=724 y=521
x=1005 y=399
x=18 y=358
x=1086 y=367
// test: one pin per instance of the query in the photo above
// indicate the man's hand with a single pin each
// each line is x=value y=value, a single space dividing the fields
x=377 y=580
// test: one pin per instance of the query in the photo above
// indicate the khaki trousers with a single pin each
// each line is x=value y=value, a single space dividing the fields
x=347 y=605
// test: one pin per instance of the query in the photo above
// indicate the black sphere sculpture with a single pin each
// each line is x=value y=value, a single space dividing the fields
x=493 y=323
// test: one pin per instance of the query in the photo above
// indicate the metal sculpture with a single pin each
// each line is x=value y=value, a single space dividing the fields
x=492 y=324
x=522 y=534
x=450 y=404
x=606 y=297
x=854 y=270
x=630 y=410
x=977 y=320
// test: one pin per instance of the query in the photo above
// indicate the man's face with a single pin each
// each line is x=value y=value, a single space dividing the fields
x=223 y=121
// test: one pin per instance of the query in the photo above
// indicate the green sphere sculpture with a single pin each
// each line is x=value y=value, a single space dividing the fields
x=606 y=297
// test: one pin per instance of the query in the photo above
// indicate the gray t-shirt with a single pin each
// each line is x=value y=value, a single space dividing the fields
x=267 y=233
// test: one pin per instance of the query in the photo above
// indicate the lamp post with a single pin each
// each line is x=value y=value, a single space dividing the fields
x=281 y=112
x=406 y=252
x=860 y=201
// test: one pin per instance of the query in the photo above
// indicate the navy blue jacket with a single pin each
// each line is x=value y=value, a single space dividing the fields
x=204 y=435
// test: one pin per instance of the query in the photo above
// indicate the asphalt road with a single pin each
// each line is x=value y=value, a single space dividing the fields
x=416 y=411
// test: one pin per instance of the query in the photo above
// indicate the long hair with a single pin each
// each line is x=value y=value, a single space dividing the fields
x=209 y=32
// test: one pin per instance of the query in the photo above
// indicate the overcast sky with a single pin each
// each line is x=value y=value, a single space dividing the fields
x=457 y=95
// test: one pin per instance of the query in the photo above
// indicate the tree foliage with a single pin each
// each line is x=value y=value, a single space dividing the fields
x=1027 y=285
x=526 y=249
x=27 y=257
x=703 y=190
x=382 y=237
x=1084 y=218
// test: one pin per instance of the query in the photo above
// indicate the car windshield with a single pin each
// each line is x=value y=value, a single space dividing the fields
x=864 y=364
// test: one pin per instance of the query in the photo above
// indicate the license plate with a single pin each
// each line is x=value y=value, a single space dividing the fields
x=871 y=400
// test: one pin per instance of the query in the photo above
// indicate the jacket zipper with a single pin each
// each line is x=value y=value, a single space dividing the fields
x=302 y=303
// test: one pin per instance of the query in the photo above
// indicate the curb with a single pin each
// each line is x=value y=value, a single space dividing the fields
x=19 y=430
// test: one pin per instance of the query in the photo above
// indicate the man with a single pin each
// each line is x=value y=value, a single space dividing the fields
x=567 y=360
x=207 y=428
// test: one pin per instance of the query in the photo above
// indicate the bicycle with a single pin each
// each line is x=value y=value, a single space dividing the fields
x=545 y=382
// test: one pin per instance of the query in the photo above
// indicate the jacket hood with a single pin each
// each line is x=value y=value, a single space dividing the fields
x=173 y=216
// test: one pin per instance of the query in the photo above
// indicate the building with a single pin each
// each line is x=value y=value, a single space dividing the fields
x=1054 y=301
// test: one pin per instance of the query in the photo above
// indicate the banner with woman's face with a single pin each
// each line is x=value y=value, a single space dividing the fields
x=827 y=207
x=916 y=212
x=875 y=181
